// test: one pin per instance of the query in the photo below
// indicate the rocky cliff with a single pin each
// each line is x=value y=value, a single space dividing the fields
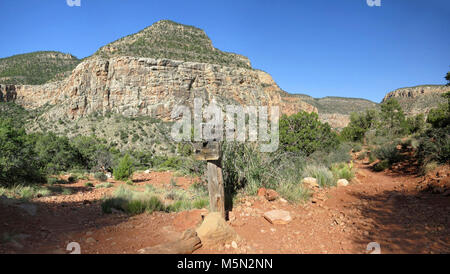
x=419 y=99
x=151 y=87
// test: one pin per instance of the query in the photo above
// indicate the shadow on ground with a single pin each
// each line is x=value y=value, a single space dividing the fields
x=33 y=227
x=403 y=222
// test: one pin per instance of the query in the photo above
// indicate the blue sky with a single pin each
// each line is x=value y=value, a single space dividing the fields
x=317 y=47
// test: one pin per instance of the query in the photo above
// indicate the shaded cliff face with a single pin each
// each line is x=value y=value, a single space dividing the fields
x=419 y=99
x=150 y=87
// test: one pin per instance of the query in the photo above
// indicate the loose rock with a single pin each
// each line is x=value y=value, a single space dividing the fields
x=278 y=216
x=310 y=182
x=342 y=182
x=215 y=231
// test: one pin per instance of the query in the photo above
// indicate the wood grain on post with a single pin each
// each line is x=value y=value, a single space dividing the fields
x=216 y=187
x=210 y=151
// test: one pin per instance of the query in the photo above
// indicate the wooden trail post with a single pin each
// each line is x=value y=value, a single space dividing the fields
x=210 y=151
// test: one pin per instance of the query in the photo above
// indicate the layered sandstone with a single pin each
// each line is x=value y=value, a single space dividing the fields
x=144 y=86
x=419 y=99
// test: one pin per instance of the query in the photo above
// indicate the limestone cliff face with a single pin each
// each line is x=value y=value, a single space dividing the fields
x=414 y=92
x=419 y=99
x=152 y=87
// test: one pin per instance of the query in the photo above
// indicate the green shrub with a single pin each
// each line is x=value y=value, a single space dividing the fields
x=294 y=192
x=25 y=192
x=201 y=203
x=88 y=184
x=362 y=155
x=19 y=163
x=357 y=147
x=339 y=155
x=66 y=191
x=179 y=205
x=132 y=202
x=429 y=167
x=323 y=175
x=388 y=152
x=392 y=119
x=416 y=124
x=125 y=169
x=55 y=153
x=372 y=157
x=374 y=139
x=94 y=154
x=343 y=171
x=440 y=117
x=382 y=165
x=245 y=170
x=52 y=180
x=104 y=185
x=435 y=146
x=100 y=176
x=185 y=149
x=359 y=124
x=304 y=133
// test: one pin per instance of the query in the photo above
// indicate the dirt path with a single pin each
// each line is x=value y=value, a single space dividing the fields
x=380 y=207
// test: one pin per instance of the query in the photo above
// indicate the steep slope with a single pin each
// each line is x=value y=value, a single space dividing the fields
x=151 y=87
x=170 y=40
x=419 y=99
x=103 y=96
x=36 y=67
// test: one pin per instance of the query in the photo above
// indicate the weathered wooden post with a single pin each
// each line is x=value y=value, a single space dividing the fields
x=210 y=151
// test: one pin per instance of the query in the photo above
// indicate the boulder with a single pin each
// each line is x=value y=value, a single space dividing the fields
x=278 y=216
x=310 y=182
x=271 y=195
x=262 y=192
x=214 y=231
x=342 y=182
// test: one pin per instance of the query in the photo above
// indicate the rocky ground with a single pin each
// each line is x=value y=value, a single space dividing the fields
x=401 y=211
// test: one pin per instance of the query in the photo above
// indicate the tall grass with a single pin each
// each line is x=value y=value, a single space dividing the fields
x=25 y=192
x=343 y=171
x=136 y=202
x=132 y=202
x=246 y=170
x=324 y=176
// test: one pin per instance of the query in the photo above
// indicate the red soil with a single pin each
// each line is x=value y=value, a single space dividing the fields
x=389 y=208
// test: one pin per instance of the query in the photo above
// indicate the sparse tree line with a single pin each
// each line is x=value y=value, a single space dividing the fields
x=308 y=148
x=28 y=158
x=387 y=128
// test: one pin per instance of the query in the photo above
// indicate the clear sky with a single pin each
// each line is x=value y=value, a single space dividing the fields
x=317 y=47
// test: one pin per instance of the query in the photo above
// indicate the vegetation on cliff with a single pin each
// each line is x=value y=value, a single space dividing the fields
x=170 y=40
x=36 y=68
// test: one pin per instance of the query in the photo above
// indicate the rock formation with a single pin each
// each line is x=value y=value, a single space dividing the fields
x=419 y=99
x=144 y=86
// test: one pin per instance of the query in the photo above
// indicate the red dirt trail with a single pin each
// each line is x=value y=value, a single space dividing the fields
x=385 y=207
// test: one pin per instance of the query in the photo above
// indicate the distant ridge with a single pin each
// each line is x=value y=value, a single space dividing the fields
x=418 y=99
x=171 y=40
x=339 y=105
x=36 y=68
